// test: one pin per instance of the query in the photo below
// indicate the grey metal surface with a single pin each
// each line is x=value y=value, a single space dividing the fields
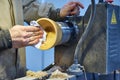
x=71 y=77
x=26 y=78
x=95 y=56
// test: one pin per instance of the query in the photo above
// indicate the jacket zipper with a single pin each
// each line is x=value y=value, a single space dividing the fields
x=12 y=12
x=13 y=23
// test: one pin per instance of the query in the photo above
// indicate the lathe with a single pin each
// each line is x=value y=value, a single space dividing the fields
x=87 y=47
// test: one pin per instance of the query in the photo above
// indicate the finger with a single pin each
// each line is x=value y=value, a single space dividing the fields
x=32 y=29
x=35 y=38
x=32 y=34
x=76 y=11
x=38 y=33
x=33 y=42
x=76 y=4
x=28 y=34
x=71 y=7
x=31 y=39
x=80 y=4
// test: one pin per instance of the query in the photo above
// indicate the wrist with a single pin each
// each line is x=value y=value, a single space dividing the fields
x=58 y=13
x=5 y=39
x=8 y=38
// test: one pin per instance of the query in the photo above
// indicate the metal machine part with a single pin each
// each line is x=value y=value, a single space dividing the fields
x=86 y=32
x=57 y=33
x=99 y=51
x=99 y=48
x=68 y=32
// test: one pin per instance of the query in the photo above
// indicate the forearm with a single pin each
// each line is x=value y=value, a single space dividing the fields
x=5 y=39
x=55 y=15
x=35 y=10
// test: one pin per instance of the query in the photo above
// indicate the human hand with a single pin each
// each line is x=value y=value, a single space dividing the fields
x=25 y=36
x=71 y=8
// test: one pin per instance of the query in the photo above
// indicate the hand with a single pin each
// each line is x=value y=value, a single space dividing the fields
x=71 y=8
x=25 y=36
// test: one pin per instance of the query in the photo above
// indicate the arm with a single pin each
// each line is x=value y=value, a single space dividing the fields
x=5 y=39
x=69 y=9
x=19 y=36
x=34 y=10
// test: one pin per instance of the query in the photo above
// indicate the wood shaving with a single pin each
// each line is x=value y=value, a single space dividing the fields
x=38 y=74
x=59 y=75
